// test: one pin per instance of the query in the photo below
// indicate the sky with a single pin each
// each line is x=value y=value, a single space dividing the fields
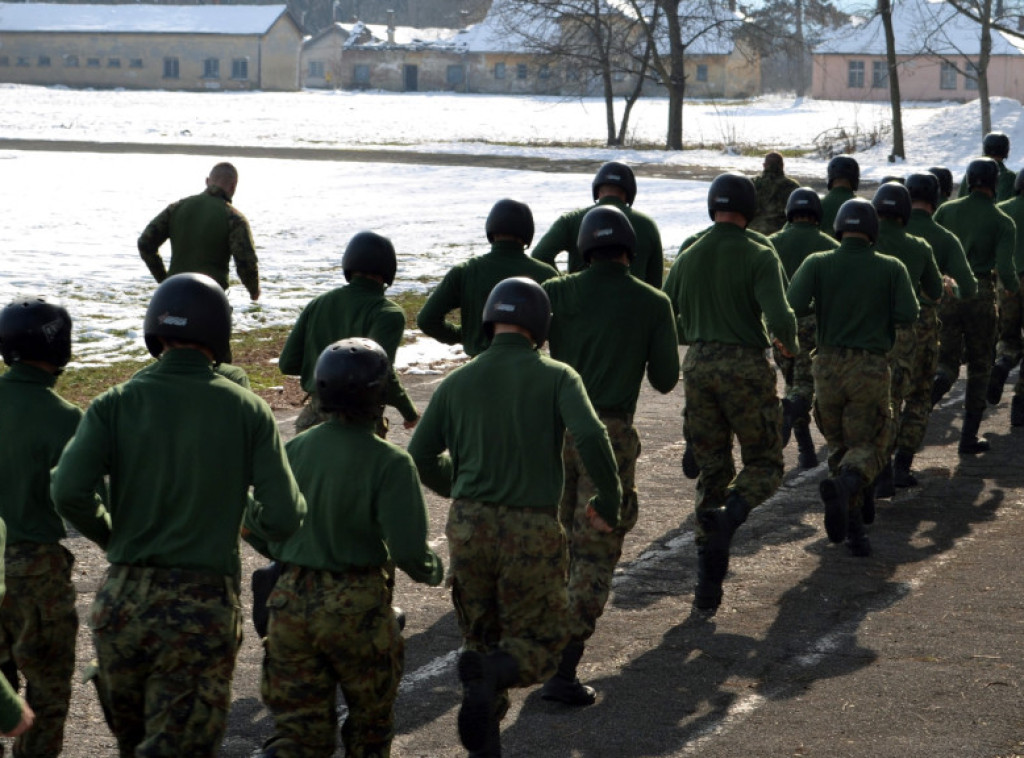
x=71 y=219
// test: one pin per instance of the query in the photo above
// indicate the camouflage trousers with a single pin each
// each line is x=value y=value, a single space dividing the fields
x=166 y=640
x=969 y=326
x=593 y=555
x=730 y=390
x=329 y=630
x=796 y=371
x=311 y=415
x=507 y=574
x=902 y=358
x=917 y=400
x=852 y=408
x=1011 y=323
x=39 y=627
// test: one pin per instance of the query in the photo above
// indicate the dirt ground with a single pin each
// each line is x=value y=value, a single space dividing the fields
x=914 y=651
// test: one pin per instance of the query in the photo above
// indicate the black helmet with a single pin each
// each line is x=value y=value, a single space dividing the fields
x=521 y=301
x=510 y=217
x=370 y=253
x=617 y=174
x=803 y=201
x=32 y=329
x=732 y=191
x=857 y=215
x=351 y=376
x=605 y=227
x=189 y=308
x=844 y=167
x=983 y=172
x=1018 y=183
x=893 y=199
x=996 y=145
x=945 y=177
x=924 y=187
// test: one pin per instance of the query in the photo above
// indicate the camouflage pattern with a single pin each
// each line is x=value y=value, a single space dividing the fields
x=507 y=573
x=852 y=408
x=773 y=191
x=311 y=415
x=593 y=555
x=329 y=630
x=166 y=640
x=917 y=399
x=902 y=359
x=1011 y=310
x=39 y=627
x=730 y=390
x=796 y=371
x=968 y=333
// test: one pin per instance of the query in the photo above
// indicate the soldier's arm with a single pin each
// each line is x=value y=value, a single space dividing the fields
x=655 y=274
x=555 y=240
x=153 y=236
x=958 y=267
x=671 y=289
x=445 y=298
x=78 y=477
x=403 y=518
x=800 y=292
x=292 y=354
x=931 y=278
x=277 y=507
x=387 y=331
x=243 y=250
x=905 y=303
x=663 y=358
x=770 y=292
x=429 y=449
x=1006 y=245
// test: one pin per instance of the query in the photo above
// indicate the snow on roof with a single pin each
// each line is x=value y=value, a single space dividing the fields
x=920 y=26
x=143 y=19
x=404 y=35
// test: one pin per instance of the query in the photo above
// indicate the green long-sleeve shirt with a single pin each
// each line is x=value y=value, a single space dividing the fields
x=358 y=309
x=858 y=295
x=948 y=252
x=467 y=285
x=726 y=286
x=364 y=504
x=182 y=445
x=988 y=235
x=830 y=205
x=796 y=240
x=501 y=419
x=648 y=262
x=916 y=254
x=610 y=326
x=1014 y=208
x=10 y=703
x=35 y=424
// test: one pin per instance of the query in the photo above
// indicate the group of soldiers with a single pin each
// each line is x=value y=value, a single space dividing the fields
x=537 y=451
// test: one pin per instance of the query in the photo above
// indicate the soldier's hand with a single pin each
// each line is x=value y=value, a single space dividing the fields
x=782 y=348
x=411 y=423
x=28 y=717
x=254 y=296
x=596 y=521
x=948 y=283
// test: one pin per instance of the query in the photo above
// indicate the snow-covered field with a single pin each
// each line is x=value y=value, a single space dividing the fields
x=70 y=220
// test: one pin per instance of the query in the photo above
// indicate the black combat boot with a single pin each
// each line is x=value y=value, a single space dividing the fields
x=565 y=686
x=970 y=444
x=997 y=379
x=399 y=617
x=720 y=524
x=492 y=747
x=885 y=486
x=690 y=468
x=795 y=411
x=857 y=541
x=836 y=492
x=867 y=504
x=483 y=676
x=901 y=473
x=940 y=386
x=1017 y=411
x=808 y=457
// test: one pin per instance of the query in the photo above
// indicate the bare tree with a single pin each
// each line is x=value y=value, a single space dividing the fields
x=885 y=12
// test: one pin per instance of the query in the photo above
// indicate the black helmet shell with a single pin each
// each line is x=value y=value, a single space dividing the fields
x=370 y=253
x=521 y=301
x=732 y=191
x=190 y=308
x=605 y=227
x=619 y=175
x=924 y=187
x=996 y=145
x=351 y=376
x=844 y=167
x=510 y=217
x=803 y=201
x=945 y=177
x=34 y=329
x=982 y=172
x=893 y=199
x=857 y=215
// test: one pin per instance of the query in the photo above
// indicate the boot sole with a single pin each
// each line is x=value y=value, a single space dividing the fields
x=836 y=510
x=477 y=701
x=575 y=693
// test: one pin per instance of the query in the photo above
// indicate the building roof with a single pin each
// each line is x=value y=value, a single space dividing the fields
x=139 y=19
x=920 y=27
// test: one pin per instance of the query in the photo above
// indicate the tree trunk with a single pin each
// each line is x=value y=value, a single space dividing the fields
x=676 y=83
x=982 y=71
x=633 y=96
x=801 y=83
x=885 y=9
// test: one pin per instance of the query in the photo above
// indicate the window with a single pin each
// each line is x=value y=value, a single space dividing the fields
x=702 y=72
x=947 y=76
x=240 y=69
x=44 y=61
x=135 y=63
x=5 y=61
x=544 y=72
x=361 y=75
x=855 y=74
x=113 y=63
x=171 y=68
x=92 y=62
x=316 y=70
x=618 y=75
x=971 y=77
x=521 y=71
x=22 y=61
x=879 y=74
x=572 y=73
x=499 y=70
x=455 y=75
x=71 y=61
x=211 y=68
